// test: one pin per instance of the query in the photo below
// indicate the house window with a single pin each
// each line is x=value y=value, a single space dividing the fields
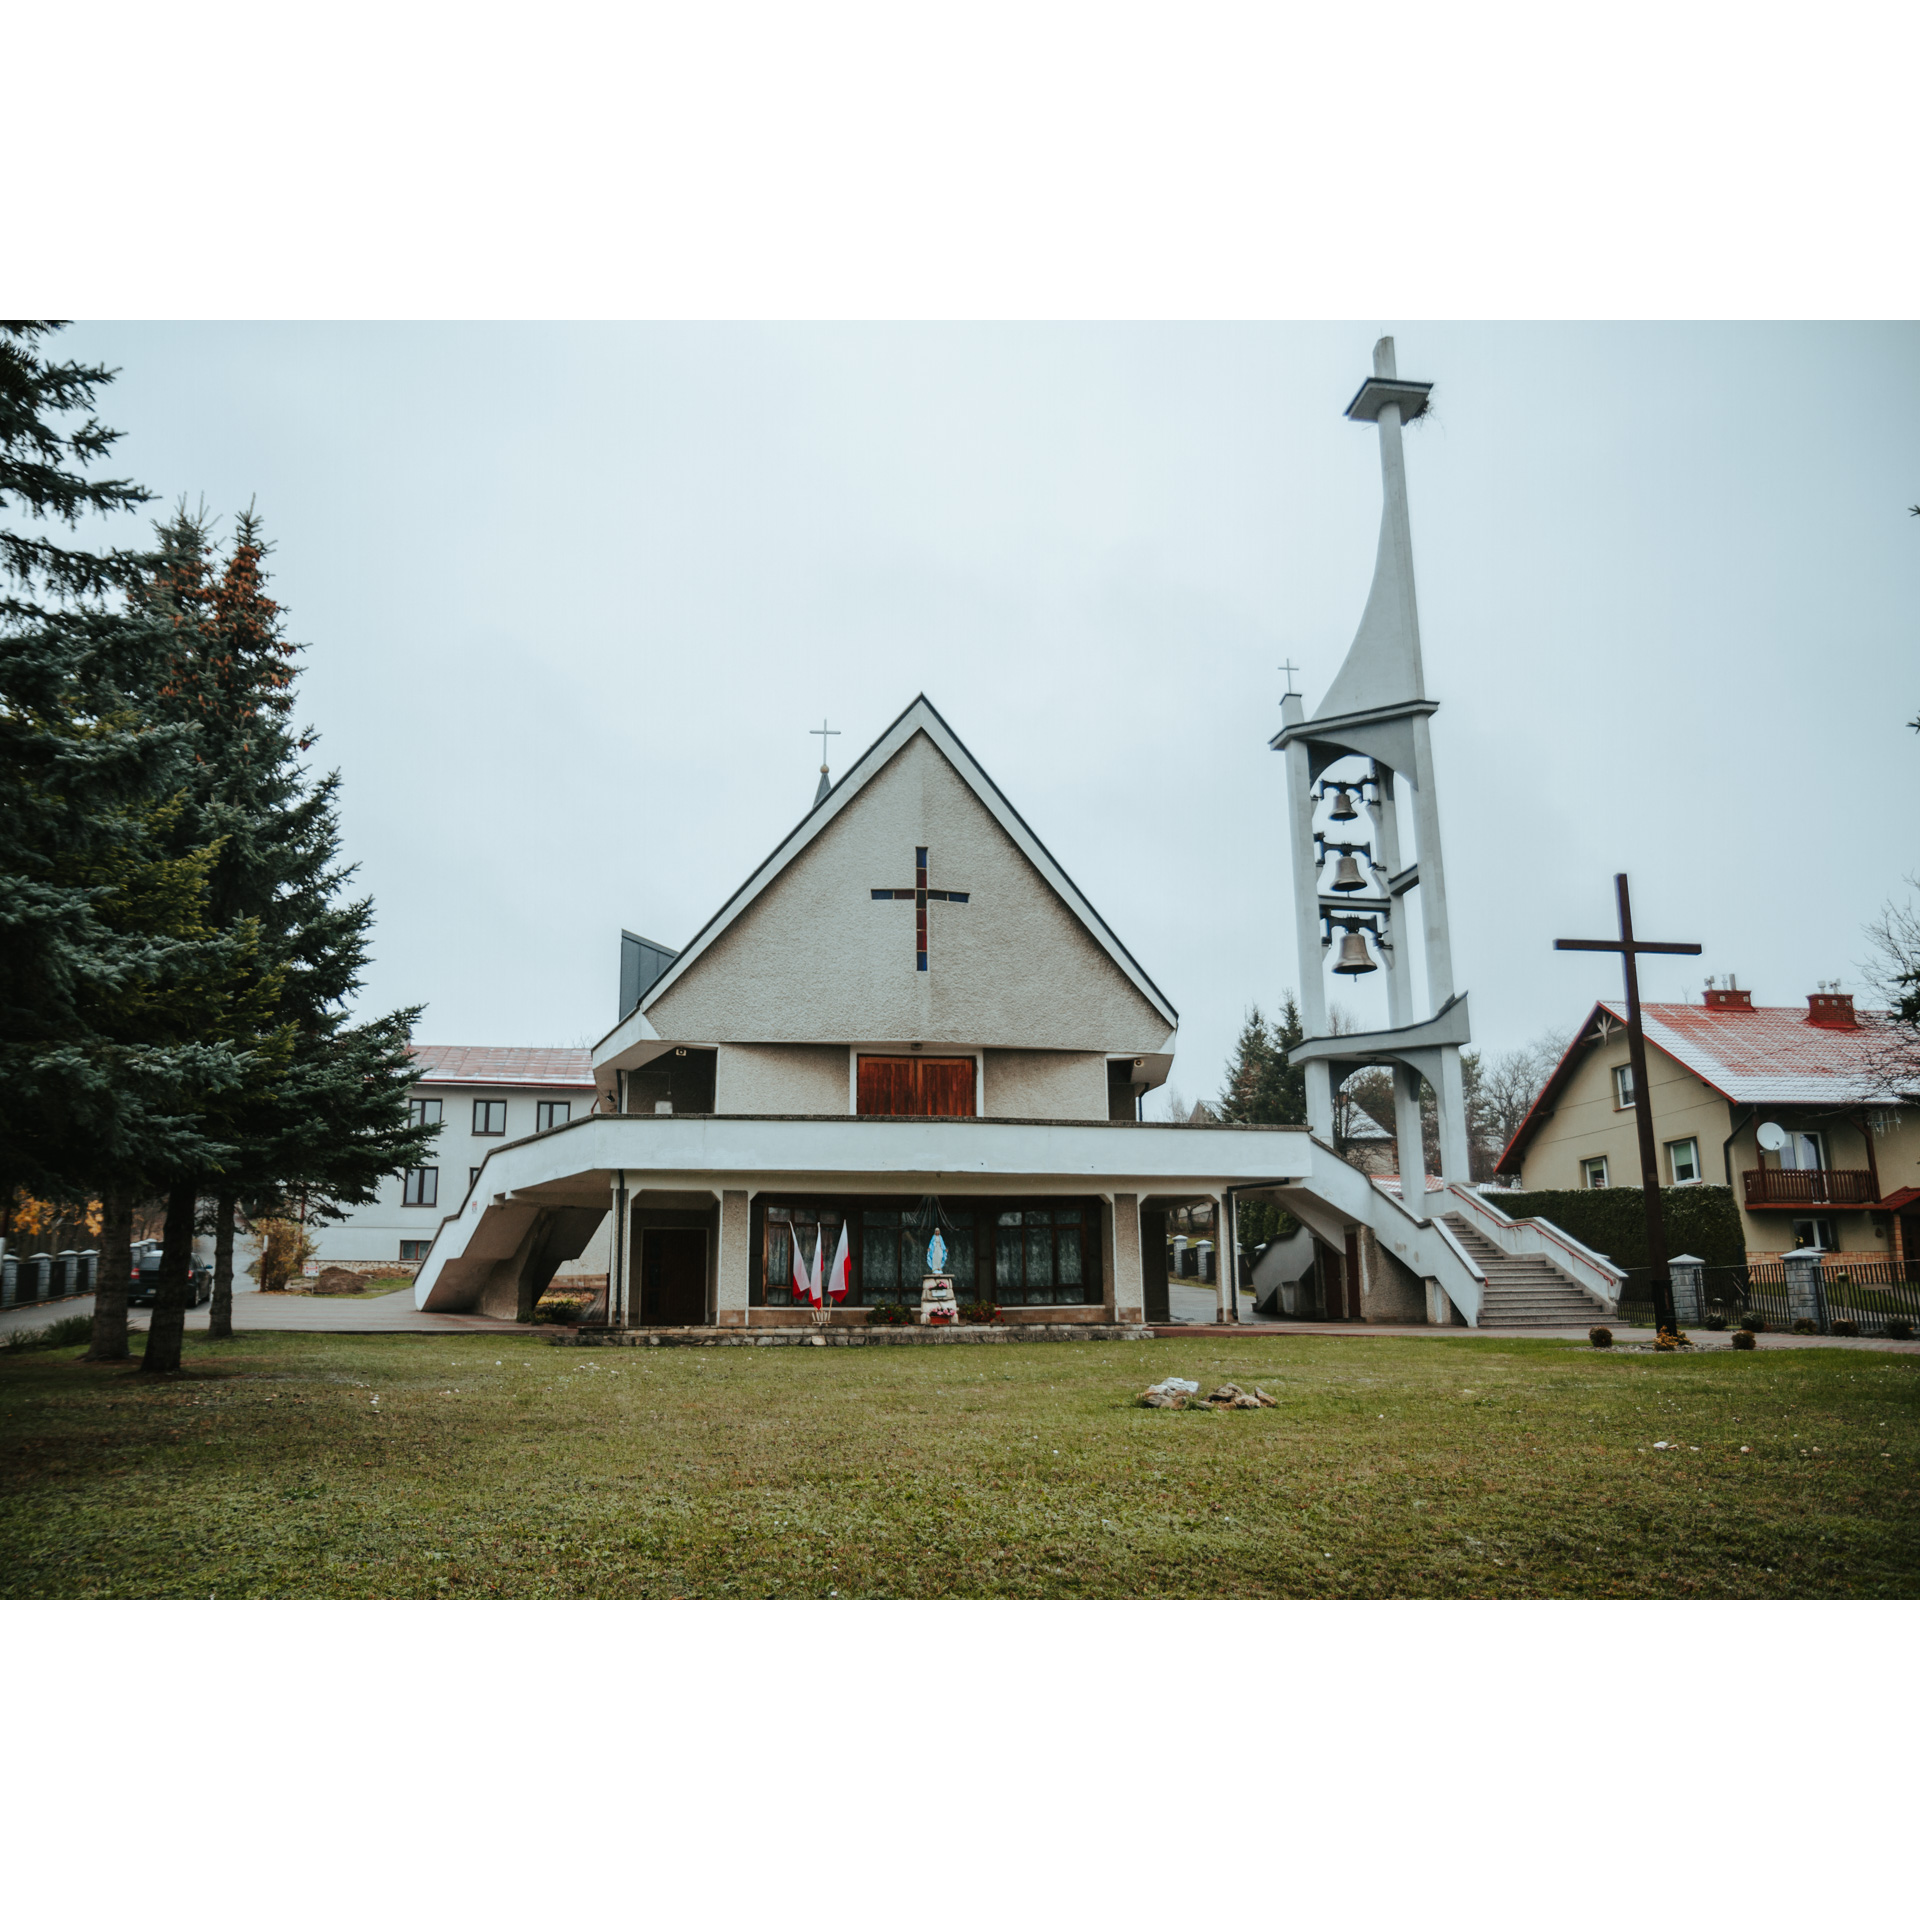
x=1683 y=1161
x=489 y=1116
x=424 y=1113
x=473 y=1174
x=1806 y=1151
x=551 y=1113
x=421 y=1188
x=414 y=1250
x=1817 y=1232
x=1593 y=1173
x=1623 y=1086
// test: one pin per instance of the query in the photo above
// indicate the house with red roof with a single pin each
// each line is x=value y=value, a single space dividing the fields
x=1791 y=1107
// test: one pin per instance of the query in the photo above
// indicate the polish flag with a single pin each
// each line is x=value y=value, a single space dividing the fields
x=840 y=1274
x=800 y=1282
x=813 y=1285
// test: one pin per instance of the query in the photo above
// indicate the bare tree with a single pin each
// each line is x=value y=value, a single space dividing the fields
x=1512 y=1083
x=1894 y=971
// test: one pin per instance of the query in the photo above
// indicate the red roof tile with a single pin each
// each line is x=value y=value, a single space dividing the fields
x=507 y=1066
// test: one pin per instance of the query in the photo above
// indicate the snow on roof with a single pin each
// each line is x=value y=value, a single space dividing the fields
x=506 y=1066
x=1752 y=1056
x=1771 y=1054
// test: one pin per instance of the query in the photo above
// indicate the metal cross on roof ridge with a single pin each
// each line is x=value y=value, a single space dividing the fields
x=920 y=893
x=1629 y=949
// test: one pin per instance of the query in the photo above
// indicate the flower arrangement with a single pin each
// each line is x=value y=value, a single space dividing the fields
x=1674 y=1342
x=889 y=1313
x=980 y=1313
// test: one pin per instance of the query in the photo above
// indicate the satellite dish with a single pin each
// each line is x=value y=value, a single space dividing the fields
x=1772 y=1136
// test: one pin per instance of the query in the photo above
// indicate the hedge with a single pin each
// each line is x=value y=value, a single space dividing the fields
x=1613 y=1221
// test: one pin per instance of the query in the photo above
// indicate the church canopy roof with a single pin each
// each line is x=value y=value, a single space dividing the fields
x=919 y=717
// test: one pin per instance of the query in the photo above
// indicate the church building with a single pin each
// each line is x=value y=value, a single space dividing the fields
x=909 y=1017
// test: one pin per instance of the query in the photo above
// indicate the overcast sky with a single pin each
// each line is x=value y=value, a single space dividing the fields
x=574 y=595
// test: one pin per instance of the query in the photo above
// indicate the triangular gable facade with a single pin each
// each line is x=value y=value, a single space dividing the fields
x=806 y=953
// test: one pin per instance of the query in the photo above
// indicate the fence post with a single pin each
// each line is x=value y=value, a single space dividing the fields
x=1683 y=1270
x=1806 y=1287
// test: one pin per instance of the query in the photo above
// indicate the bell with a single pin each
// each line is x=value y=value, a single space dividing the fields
x=1354 y=957
x=1346 y=878
x=1343 y=807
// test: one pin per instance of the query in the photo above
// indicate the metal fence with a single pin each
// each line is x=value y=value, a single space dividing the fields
x=1869 y=1295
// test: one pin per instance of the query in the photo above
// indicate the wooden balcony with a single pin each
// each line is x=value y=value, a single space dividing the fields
x=1791 y=1187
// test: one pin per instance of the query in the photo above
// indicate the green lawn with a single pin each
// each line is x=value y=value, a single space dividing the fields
x=319 y=1464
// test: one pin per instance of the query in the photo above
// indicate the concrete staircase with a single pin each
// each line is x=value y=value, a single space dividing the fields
x=1525 y=1290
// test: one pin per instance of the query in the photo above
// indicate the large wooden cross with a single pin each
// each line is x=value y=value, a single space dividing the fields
x=1629 y=949
x=919 y=893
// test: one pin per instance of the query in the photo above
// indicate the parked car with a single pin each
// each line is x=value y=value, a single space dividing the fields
x=143 y=1285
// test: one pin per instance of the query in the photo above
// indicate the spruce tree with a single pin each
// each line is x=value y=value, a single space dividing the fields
x=99 y=1081
x=331 y=1121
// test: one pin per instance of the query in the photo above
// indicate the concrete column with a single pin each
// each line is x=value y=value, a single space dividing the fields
x=1399 y=963
x=1406 y=1130
x=1225 y=1302
x=1683 y=1270
x=1129 y=1295
x=736 y=1217
x=1806 y=1287
x=1455 y=1163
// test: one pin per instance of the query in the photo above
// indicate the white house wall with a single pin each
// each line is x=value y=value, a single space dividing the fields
x=780 y=1079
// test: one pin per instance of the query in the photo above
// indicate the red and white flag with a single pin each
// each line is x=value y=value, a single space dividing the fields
x=840 y=1274
x=814 y=1284
x=800 y=1282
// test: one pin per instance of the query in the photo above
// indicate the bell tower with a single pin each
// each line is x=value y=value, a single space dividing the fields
x=1367 y=752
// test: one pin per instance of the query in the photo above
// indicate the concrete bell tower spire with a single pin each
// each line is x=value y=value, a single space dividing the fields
x=1375 y=718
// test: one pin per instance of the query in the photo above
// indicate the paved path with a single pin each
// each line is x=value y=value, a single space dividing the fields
x=287 y=1313
x=1192 y=1304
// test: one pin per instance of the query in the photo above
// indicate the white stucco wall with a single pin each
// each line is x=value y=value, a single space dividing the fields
x=1022 y=1084
x=779 y=1079
x=817 y=959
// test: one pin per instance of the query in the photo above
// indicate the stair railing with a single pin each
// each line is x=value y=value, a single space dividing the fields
x=1593 y=1272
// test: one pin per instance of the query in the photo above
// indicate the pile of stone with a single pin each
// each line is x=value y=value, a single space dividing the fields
x=1186 y=1393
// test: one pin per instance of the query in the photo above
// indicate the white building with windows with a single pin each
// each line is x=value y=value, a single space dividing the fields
x=480 y=1098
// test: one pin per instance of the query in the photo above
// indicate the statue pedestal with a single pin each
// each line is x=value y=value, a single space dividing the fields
x=937 y=1307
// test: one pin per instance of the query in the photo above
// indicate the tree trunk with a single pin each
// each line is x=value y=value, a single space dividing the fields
x=220 y=1321
x=167 y=1328
x=110 y=1285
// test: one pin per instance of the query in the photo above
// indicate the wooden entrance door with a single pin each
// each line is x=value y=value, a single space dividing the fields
x=673 y=1277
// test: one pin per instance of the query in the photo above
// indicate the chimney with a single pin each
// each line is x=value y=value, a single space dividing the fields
x=1729 y=999
x=1830 y=1010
